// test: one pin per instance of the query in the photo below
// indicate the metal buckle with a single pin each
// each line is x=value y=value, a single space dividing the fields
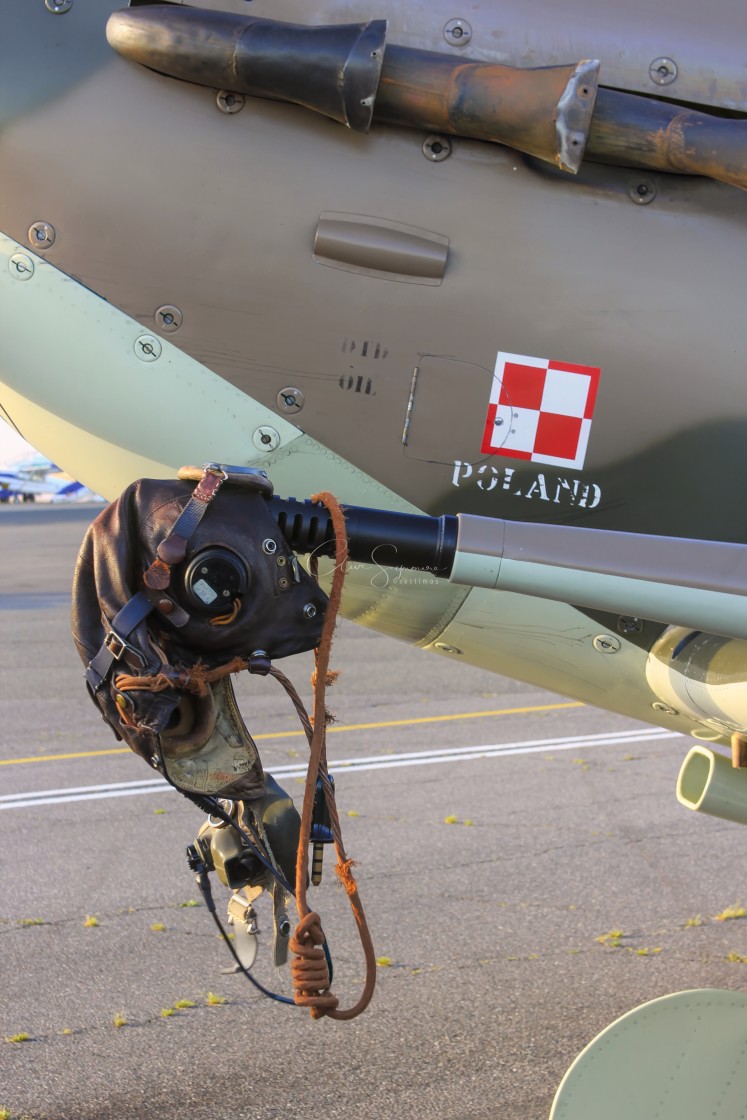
x=215 y=468
x=115 y=644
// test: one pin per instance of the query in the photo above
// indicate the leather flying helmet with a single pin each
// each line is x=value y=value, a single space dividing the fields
x=176 y=587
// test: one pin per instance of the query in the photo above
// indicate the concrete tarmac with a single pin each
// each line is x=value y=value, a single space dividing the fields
x=493 y=931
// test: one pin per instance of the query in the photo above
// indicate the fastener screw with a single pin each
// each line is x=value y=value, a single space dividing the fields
x=663 y=71
x=229 y=102
x=606 y=643
x=642 y=191
x=627 y=624
x=457 y=32
x=21 y=267
x=266 y=439
x=168 y=318
x=41 y=235
x=290 y=399
x=148 y=348
x=436 y=148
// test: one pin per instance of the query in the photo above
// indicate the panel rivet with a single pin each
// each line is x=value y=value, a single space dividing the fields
x=41 y=235
x=663 y=71
x=147 y=347
x=436 y=148
x=229 y=102
x=21 y=267
x=457 y=32
x=266 y=439
x=58 y=7
x=168 y=318
x=291 y=399
x=606 y=643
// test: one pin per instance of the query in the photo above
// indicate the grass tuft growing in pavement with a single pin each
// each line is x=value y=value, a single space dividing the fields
x=731 y=912
x=22 y=1037
x=90 y=921
x=119 y=1019
x=612 y=939
x=214 y=1000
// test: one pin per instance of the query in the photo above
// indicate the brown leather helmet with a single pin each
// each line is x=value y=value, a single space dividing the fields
x=174 y=582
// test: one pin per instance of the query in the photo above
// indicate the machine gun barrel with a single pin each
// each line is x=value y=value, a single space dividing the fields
x=696 y=583
x=375 y=536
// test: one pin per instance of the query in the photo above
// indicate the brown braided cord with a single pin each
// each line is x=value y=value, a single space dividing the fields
x=194 y=680
x=309 y=937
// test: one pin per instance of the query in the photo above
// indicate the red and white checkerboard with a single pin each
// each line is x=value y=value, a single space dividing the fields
x=540 y=410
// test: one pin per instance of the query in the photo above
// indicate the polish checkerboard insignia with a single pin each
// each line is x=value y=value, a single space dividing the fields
x=540 y=410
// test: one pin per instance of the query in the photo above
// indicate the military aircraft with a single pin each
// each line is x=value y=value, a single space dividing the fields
x=481 y=263
x=27 y=481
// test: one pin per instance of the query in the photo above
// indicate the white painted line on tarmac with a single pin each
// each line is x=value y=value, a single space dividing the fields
x=35 y=798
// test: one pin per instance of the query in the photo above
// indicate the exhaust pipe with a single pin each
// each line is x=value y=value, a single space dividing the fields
x=708 y=783
x=555 y=113
x=544 y=112
x=342 y=72
x=333 y=71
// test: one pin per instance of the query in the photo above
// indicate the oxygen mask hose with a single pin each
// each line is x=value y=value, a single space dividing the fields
x=309 y=969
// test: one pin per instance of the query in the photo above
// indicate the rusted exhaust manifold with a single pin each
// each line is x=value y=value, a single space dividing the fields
x=346 y=72
x=544 y=112
x=343 y=73
x=643 y=132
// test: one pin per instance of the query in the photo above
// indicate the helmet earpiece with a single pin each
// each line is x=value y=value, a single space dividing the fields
x=214 y=578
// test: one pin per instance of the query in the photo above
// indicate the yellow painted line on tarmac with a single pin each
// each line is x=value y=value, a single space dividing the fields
x=330 y=730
